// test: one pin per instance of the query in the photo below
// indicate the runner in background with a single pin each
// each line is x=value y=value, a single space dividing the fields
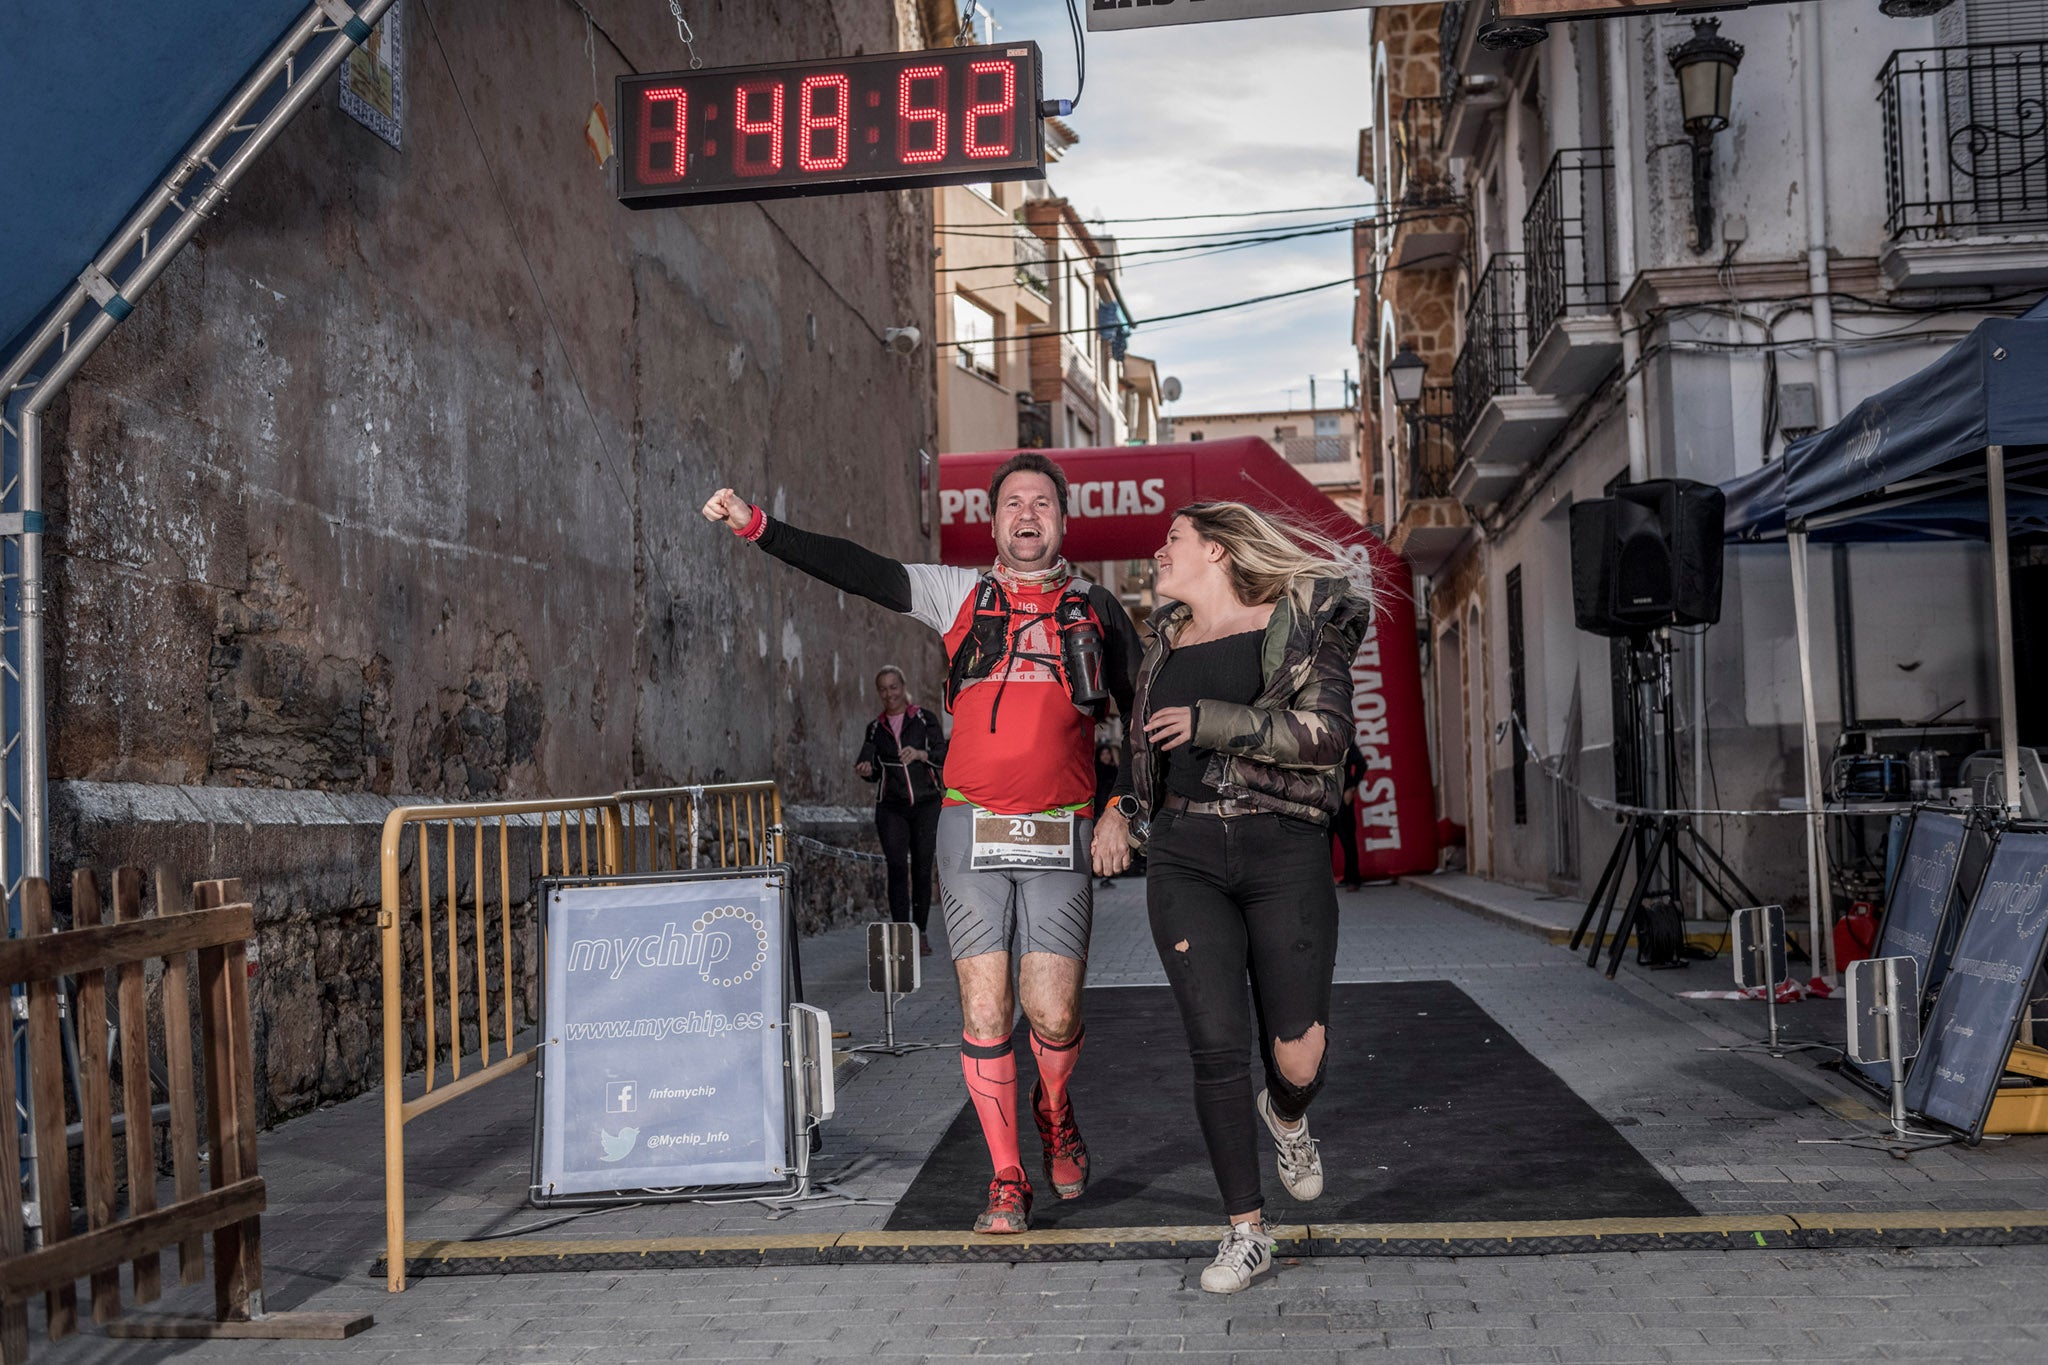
x=1034 y=653
x=903 y=753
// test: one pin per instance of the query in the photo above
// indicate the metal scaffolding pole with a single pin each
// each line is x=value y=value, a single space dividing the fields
x=1820 y=944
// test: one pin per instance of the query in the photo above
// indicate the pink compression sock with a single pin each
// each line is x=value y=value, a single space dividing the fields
x=1055 y=1064
x=991 y=1071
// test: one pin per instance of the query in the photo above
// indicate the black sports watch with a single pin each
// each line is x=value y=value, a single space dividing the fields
x=1125 y=805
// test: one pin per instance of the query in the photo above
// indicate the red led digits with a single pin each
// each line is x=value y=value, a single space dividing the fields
x=810 y=122
x=1003 y=107
x=663 y=170
x=746 y=129
x=908 y=116
x=843 y=125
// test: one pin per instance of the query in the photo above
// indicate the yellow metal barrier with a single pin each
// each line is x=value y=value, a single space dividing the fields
x=664 y=829
x=577 y=838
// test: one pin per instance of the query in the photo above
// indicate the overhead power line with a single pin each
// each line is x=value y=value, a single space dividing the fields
x=1153 y=236
x=1247 y=213
x=1197 y=247
x=1434 y=258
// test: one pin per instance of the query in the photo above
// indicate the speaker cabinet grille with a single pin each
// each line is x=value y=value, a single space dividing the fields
x=1650 y=556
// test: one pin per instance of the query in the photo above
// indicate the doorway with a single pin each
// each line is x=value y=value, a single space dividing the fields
x=1478 y=777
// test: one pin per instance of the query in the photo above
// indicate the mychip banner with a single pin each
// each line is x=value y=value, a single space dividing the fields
x=665 y=1021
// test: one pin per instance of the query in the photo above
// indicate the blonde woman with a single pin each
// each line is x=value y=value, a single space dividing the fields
x=1243 y=719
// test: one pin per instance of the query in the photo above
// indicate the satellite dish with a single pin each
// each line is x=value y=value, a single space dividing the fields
x=1170 y=390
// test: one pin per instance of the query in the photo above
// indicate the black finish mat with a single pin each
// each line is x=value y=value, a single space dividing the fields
x=1431 y=1113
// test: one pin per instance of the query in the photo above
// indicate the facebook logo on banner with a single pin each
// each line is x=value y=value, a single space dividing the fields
x=620 y=1097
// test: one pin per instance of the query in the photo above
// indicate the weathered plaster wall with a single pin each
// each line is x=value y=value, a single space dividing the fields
x=390 y=486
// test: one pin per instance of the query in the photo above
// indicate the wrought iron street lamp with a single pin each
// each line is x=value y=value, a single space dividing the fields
x=1705 y=66
x=1406 y=371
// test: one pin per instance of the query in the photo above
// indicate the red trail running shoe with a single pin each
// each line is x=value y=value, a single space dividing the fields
x=1066 y=1155
x=1009 y=1204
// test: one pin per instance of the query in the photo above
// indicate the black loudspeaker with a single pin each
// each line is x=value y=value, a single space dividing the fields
x=1647 y=557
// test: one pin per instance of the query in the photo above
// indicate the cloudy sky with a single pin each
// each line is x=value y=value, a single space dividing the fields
x=1220 y=118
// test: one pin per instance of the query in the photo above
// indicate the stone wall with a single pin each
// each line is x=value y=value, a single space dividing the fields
x=388 y=490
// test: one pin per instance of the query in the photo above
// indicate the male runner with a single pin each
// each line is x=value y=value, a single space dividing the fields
x=1014 y=838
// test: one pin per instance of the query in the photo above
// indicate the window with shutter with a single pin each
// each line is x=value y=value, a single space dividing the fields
x=2004 y=21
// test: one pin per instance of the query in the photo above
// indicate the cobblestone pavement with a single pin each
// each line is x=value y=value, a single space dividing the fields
x=1726 y=1128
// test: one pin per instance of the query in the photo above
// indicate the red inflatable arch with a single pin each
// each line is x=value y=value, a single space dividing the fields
x=1119 y=503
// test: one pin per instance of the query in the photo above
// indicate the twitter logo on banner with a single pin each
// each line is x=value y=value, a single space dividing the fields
x=620 y=1147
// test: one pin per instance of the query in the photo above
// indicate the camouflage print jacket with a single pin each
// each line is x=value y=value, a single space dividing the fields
x=1284 y=752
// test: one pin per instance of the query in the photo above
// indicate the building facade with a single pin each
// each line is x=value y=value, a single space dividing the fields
x=1032 y=324
x=1592 y=307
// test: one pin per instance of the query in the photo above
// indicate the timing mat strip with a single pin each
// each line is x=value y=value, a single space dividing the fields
x=1771 y=1232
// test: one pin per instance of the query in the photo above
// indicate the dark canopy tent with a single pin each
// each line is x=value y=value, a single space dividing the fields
x=1958 y=451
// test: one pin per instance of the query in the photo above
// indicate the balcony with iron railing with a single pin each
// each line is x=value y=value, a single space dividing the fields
x=1490 y=362
x=1429 y=524
x=1422 y=176
x=1966 y=164
x=1034 y=263
x=1432 y=445
x=1470 y=77
x=1500 y=425
x=1429 y=210
x=1574 y=330
x=1450 y=28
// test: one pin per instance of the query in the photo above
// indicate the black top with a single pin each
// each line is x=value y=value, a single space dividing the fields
x=900 y=783
x=1223 y=669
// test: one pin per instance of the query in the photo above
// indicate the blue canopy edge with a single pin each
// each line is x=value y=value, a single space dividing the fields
x=1906 y=463
x=101 y=97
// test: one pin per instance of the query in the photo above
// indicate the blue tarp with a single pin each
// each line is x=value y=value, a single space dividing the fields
x=99 y=98
x=1907 y=463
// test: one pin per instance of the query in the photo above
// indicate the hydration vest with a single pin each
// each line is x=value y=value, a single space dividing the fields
x=992 y=633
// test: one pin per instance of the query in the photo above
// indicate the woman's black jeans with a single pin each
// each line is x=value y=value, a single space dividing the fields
x=1237 y=899
x=910 y=842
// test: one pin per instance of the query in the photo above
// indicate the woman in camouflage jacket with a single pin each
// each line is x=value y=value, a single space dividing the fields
x=1235 y=765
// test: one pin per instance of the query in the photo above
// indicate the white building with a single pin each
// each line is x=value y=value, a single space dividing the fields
x=1881 y=186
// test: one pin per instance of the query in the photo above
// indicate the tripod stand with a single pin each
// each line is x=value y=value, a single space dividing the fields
x=1655 y=845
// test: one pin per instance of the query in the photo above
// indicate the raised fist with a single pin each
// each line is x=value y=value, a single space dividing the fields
x=730 y=508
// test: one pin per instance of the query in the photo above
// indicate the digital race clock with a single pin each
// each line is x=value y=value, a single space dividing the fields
x=895 y=121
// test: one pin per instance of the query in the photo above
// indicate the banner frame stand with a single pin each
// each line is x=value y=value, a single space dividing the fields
x=1948 y=928
x=1976 y=1134
x=798 y=1124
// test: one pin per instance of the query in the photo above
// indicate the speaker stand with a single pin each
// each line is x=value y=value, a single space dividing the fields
x=1656 y=847
x=1653 y=850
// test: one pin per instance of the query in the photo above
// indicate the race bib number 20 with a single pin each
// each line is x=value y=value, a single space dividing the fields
x=1033 y=843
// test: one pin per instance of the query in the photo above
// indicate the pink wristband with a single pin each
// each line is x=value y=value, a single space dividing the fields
x=756 y=524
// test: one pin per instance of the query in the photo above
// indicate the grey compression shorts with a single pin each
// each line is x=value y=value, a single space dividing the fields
x=1012 y=911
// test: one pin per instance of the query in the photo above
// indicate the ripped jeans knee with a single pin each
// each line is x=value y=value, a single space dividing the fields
x=1291 y=1101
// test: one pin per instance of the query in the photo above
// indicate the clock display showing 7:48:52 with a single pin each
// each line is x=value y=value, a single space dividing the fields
x=892 y=121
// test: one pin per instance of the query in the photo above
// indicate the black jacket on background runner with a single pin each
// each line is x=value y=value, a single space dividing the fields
x=897 y=782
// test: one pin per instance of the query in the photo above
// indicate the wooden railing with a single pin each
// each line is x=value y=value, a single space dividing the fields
x=40 y=960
